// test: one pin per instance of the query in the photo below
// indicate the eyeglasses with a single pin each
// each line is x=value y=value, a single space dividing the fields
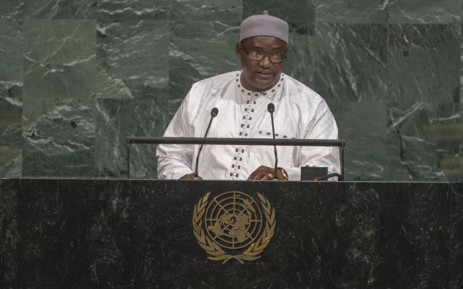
x=259 y=55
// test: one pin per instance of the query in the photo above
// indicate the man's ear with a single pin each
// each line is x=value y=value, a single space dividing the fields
x=238 y=50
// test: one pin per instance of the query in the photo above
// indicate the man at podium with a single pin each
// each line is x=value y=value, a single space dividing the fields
x=239 y=103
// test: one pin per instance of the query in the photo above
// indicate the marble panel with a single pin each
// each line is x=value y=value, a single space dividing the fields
x=366 y=155
x=424 y=11
x=398 y=168
x=61 y=142
x=138 y=234
x=456 y=235
x=198 y=50
x=209 y=10
x=9 y=235
x=55 y=230
x=443 y=126
x=461 y=67
x=59 y=64
x=58 y=121
x=12 y=9
x=413 y=237
x=359 y=11
x=300 y=61
x=119 y=119
x=11 y=48
x=57 y=9
x=428 y=139
x=294 y=12
x=10 y=141
x=112 y=87
x=350 y=61
x=135 y=9
x=423 y=62
x=407 y=138
x=132 y=58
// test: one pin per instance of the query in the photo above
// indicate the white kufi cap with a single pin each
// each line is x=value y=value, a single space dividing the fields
x=264 y=25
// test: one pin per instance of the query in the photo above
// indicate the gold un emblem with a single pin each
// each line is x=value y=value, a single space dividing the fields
x=233 y=226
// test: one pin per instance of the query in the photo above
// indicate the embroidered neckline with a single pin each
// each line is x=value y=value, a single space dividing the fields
x=248 y=93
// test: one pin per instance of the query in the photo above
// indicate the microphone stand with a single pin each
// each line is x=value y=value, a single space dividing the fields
x=271 y=109
x=214 y=113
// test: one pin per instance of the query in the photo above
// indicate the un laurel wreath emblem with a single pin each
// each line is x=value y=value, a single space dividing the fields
x=233 y=226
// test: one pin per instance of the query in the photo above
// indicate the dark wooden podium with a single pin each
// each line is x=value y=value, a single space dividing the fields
x=94 y=233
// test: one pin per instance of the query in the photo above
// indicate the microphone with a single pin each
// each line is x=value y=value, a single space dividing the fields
x=214 y=113
x=271 y=109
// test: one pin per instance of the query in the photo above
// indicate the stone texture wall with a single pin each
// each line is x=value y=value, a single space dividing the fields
x=79 y=76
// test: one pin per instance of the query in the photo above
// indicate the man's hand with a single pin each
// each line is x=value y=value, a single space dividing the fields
x=264 y=173
x=190 y=177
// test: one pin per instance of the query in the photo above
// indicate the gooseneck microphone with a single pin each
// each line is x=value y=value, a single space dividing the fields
x=214 y=113
x=271 y=109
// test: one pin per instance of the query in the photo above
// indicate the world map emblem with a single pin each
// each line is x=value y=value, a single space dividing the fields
x=233 y=225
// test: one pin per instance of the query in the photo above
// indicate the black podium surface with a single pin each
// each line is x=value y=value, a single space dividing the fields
x=77 y=233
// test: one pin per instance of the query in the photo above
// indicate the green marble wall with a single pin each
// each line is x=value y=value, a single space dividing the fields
x=79 y=76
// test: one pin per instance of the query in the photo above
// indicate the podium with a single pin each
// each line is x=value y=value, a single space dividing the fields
x=101 y=233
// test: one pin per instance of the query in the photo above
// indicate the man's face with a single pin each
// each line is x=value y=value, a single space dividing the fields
x=260 y=75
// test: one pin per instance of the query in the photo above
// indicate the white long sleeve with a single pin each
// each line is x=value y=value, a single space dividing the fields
x=300 y=113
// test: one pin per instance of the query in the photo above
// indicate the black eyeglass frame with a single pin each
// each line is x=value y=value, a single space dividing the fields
x=264 y=55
